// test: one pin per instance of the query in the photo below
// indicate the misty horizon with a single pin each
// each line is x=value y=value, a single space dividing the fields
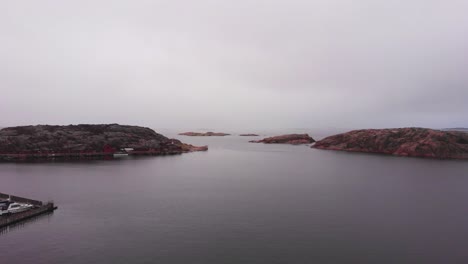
x=340 y=131
x=235 y=65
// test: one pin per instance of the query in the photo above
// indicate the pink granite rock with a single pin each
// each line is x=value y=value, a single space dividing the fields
x=414 y=142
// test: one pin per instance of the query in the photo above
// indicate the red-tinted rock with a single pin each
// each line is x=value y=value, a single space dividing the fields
x=415 y=142
x=295 y=139
x=187 y=147
x=193 y=148
x=207 y=134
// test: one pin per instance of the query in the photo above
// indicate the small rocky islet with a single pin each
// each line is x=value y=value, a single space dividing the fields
x=412 y=142
x=86 y=141
x=293 y=139
x=204 y=134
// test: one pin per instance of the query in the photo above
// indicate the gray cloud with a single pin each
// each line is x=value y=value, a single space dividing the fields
x=235 y=64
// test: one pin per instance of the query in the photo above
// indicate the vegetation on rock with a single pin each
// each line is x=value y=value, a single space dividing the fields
x=106 y=138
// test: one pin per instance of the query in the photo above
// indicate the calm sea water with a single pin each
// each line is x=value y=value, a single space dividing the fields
x=242 y=203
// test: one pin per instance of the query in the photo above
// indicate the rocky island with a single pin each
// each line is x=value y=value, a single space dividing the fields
x=86 y=141
x=207 y=134
x=248 y=135
x=414 y=142
x=461 y=129
x=294 y=139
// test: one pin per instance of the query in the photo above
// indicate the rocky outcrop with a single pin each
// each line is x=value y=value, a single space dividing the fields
x=414 y=142
x=45 y=141
x=294 y=139
x=207 y=134
x=187 y=147
x=248 y=135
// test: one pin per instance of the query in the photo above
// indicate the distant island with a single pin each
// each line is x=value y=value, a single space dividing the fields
x=414 y=142
x=207 y=134
x=462 y=129
x=248 y=135
x=86 y=141
x=294 y=139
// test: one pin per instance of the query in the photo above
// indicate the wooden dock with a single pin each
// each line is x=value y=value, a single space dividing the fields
x=86 y=155
x=39 y=209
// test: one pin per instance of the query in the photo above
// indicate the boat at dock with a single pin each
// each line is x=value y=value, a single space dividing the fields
x=120 y=154
x=15 y=209
x=9 y=207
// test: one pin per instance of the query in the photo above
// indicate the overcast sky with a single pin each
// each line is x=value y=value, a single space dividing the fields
x=228 y=64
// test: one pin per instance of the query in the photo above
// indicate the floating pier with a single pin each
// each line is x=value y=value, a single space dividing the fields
x=95 y=155
x=39 y=209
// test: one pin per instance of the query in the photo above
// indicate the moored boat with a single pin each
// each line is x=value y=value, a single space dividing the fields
x=9 y=207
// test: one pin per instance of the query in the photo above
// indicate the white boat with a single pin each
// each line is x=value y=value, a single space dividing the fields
x=13 y=208
x=120 y=155
x=123 y=153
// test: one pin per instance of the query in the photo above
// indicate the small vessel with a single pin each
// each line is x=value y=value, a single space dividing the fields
x=123 y=152
x=120 y=155
x=9 y=207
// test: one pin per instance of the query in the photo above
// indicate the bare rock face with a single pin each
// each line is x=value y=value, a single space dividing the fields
x=414 y=142
x=294 y=139
x=187 y=147
x=85 y=140
x=248 y=135
x=207 y=134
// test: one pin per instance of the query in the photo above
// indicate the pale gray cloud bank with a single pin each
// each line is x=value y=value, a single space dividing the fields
x=235 y=64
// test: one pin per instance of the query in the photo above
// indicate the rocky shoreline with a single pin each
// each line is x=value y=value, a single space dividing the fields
x=86 y=142
x=108 y=140
x=412 y=142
